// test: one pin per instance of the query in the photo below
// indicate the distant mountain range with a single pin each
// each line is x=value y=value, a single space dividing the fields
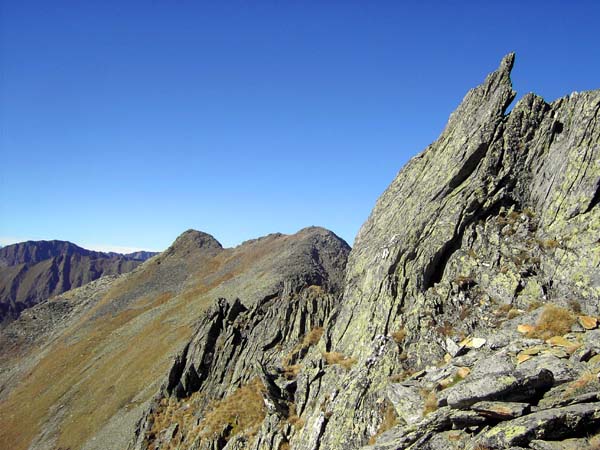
x=135 y=256
x=36 y=270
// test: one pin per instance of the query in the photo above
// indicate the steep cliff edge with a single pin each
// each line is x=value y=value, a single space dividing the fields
x=468 y=315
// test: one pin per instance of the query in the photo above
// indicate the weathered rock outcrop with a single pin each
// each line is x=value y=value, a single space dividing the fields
x=452 y=219
x=499 y=215
x=234 y=344
x=468 y=312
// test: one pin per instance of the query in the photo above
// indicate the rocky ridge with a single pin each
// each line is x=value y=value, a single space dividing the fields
x=105 y=345
x=469 y=309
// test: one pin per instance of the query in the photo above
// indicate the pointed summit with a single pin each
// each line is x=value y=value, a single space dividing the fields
x=507 y=63
x=191 y=241
x=486 y=102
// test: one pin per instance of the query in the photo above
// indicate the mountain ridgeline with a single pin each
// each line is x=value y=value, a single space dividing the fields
x=33 y=271
x=465 y=317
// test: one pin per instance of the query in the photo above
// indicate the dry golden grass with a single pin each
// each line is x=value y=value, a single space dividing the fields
x=575 y=306
x=512 y=217
x=172 y=411
x=577 y=386
x=548 y=244
x=332 y=358
x=308 y=340
x=244 y=410
x=504 y=308
x=314 y=291
x=390 y=419
x=450 y=381
x=398 y=377
x=312 y=337
x=513 y=313
x=464 y=280
x=291 y=372
x=296 y=421
x=454 y=436
x=399 y=335
x=534 y=305
x=100 y=381
x=465 y=312
x=554 y=321
x=430 y=401
x=446 y=328
x=293 y=419
x=594 y=442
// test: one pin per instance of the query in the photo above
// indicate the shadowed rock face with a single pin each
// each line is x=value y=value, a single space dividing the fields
x=496 y=218
x=36 y=270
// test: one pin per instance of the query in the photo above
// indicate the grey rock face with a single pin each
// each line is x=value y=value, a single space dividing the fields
x=449 y=232
x=503 y=386
x=192 y=241
x=500 y=211
x=407 y=401
x=550 y=424
x=401 y=250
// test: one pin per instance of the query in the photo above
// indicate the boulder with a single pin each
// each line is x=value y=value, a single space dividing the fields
x=503 y=386
x=501 y=410
x=553 y=424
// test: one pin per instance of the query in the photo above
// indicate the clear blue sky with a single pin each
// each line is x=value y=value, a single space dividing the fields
x=125 y=123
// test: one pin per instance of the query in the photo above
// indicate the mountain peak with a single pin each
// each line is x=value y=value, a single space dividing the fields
x=507 y=63
x=35 y=251
x=33 y=271
x=192 y=240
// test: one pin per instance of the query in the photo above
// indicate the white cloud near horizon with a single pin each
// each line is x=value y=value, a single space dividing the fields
x=8 y=240
x=115 y=248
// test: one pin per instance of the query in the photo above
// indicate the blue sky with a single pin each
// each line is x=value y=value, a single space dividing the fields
x=124 y=123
